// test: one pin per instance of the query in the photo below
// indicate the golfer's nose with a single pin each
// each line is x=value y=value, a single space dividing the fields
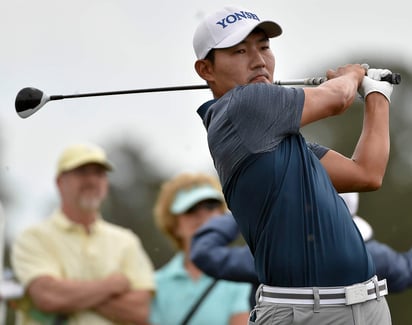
x=257 y=59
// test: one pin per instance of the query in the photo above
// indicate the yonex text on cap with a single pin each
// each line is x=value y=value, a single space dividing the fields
x=228 y=27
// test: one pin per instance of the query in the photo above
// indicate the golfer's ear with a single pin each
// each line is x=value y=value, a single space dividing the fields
x=204 y=69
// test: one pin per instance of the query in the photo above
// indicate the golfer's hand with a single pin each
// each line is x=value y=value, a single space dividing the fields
x=371 y=83
x=355 y=70
x=378 y=74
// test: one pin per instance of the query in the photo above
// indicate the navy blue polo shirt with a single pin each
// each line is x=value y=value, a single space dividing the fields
x=297 y=227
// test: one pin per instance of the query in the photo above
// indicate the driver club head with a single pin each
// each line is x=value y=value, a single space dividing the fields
x=29 y=100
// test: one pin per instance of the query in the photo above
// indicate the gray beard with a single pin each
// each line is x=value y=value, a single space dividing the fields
x=90 y=204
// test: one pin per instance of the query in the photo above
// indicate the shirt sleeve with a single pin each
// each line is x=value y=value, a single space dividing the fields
x=318 y=149
x=32 y=257
x=395 y=266
x=264 y=114
x=138 y=266
x=211 y=253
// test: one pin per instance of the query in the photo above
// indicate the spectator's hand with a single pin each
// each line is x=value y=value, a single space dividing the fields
x=371 y=83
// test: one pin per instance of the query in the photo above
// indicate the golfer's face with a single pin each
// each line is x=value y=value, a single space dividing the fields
x=248 y=62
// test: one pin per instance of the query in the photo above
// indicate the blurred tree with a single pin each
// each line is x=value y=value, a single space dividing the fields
x=4 y=194
x=5 y=199
x=134 y=186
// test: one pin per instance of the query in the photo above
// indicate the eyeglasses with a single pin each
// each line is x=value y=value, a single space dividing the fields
x=205 y=205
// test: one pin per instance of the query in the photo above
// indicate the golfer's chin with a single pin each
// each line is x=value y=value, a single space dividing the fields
x=260 y=79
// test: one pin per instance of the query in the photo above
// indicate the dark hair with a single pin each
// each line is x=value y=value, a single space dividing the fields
x=211 y=54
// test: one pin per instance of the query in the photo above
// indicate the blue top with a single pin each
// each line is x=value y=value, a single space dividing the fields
x=394 y=266
x=296 y=225
x=211 y=253
x=176 y=293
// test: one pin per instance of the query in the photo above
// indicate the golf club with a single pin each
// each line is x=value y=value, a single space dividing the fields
x=29 y=100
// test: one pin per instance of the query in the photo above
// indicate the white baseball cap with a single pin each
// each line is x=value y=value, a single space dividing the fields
x=352 y=201
x=228 y=27
x=364 y=227
x=187 y=198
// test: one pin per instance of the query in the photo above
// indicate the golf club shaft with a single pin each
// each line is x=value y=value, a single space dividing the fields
x=315 y=81
x=29 y=100
x=131 y=91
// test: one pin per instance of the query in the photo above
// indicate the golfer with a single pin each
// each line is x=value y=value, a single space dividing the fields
x=310 y=258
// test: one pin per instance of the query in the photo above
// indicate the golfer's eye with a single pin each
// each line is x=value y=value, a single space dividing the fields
x=265 y=45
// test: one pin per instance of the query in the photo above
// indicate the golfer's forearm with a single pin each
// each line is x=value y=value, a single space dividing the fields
x=329 y=99
x=372 y=150
x=343 y=91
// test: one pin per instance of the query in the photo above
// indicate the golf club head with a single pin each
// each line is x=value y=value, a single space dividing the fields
x=29 y=100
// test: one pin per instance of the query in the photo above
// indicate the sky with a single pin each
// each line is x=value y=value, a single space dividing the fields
x=82 y=46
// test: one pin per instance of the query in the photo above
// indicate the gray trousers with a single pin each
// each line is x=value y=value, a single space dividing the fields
x=372 y=312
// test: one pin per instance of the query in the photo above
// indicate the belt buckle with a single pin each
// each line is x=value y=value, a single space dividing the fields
x=356 y=293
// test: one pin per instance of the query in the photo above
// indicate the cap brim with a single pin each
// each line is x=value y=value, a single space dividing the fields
x=270 y=28
x=81 y=162
x=188 y=198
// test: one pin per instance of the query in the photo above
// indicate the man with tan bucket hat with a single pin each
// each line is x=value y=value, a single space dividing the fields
x=77 y=268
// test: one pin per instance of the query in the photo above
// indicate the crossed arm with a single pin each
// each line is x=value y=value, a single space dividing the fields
x=111 y=297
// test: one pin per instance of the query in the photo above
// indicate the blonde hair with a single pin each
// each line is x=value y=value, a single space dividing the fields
x=165 y=220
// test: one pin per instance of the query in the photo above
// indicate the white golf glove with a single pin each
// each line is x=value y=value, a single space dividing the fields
x=371 y=83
